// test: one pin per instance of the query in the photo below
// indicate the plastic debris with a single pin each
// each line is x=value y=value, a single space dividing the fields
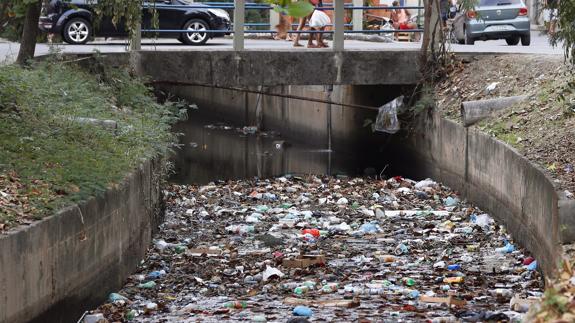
x=302 y=311
x=345 y=248
x=387 y=120
x=271 y=272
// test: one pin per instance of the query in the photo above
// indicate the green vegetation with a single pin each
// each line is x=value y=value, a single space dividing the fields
x=48 y=158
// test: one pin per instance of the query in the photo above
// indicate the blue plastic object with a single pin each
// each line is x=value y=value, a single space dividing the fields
x=454 y=267
x=302 y=311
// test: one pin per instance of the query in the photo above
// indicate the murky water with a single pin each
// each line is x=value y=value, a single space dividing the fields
x=223 y=151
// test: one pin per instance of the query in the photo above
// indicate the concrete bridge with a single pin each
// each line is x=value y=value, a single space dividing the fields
x=284 y=67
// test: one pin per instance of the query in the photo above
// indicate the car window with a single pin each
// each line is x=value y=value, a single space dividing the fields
x=498 y=2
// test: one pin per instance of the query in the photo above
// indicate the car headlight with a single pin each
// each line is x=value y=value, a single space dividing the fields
x=220 y=13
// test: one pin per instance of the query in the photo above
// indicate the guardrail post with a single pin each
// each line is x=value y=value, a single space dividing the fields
x=239 y=18
x=339 y=25
x=274 y=18
x=357 y=19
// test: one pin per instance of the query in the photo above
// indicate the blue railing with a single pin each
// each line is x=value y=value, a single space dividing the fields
x=338 y=25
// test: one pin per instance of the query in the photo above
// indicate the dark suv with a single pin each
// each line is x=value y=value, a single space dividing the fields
x=75 y=21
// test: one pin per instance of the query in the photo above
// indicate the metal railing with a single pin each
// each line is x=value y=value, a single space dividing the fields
x=240 y=6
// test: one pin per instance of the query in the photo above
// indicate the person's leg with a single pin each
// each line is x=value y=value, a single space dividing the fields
x=289 y=37
x=281 y=29
x=299 y=28
x=312 y=37
x=320 y=41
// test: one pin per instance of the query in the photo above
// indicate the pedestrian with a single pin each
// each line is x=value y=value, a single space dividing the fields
x=302 y=22
x=550 y=16
x=318 y=22
x=401 y=18
x=284 y=27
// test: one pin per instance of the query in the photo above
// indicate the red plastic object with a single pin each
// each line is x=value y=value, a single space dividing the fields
x=313 y=232
x=527 y=261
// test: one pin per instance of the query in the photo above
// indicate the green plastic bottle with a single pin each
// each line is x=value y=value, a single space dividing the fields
x=236 y=305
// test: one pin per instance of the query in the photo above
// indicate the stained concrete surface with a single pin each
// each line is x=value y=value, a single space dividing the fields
x=54 y=269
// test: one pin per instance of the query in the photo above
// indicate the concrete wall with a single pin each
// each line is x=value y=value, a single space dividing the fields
x=56 y=268
x=280 y=67
x=493 y=176
x=305 y=121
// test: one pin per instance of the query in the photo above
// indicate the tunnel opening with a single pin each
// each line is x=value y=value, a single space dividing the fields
x=236 y=134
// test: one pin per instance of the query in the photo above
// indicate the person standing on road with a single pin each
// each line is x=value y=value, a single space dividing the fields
x=302 y=22
x=550 y=15
x=318 y=22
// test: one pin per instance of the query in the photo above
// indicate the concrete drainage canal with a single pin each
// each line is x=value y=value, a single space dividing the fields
x=317 y=218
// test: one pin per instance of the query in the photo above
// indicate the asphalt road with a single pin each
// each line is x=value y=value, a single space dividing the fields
x=539 y=45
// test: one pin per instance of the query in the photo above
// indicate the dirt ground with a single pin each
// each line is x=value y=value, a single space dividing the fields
x=542 y=127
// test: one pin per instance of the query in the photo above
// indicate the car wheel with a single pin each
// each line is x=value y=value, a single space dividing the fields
x=195 y=36
x=512 y=41
x=77 y=31
x=469 y=40
x=526 y=40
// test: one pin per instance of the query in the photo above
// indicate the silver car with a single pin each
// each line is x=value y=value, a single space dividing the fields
x=494 y=19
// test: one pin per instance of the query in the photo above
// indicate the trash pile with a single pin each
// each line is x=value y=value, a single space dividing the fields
x=298 y=249
x=557 y=304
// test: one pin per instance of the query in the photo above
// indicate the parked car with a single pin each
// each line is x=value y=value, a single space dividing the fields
x=76 y=21
x=494 y=19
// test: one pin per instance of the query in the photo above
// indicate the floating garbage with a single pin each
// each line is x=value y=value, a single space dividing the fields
x=329 y=249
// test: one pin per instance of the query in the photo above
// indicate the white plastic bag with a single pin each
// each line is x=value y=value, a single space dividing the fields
x=387 y=116
x=387 y=36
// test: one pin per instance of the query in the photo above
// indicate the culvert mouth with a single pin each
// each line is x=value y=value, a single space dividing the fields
x=268 y=227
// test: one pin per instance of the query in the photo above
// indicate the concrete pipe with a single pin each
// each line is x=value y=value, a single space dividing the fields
x=475 y=111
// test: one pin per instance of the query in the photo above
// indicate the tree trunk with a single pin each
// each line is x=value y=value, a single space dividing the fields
x=29 y=33
x=3 y=14
x=425 y=42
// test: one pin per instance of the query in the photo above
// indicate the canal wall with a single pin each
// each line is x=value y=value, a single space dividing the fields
x=55 y=268
x=491 y=174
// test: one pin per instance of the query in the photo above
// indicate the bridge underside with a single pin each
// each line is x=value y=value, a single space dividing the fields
x=271 y=68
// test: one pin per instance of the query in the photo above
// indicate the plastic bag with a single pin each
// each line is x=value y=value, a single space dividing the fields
x=387 y=36
x=387 y=116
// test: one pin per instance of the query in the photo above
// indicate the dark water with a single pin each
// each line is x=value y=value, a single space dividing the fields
x=222 y=151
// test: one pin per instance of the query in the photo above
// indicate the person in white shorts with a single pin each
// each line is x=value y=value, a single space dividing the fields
x=318 y=21
x=550 y=15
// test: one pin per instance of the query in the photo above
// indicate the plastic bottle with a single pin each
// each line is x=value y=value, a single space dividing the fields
x=240 y=229
x=453 y=280
x=454 y=267
x=130 y=315
x=300 y=290
x=329 y=288
x=148 y=285
x=409 y=281
x=236 y=305
x=115 y=297
x=401 y=249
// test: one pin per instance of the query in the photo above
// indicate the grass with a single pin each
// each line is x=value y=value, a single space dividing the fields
x=49 y=160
